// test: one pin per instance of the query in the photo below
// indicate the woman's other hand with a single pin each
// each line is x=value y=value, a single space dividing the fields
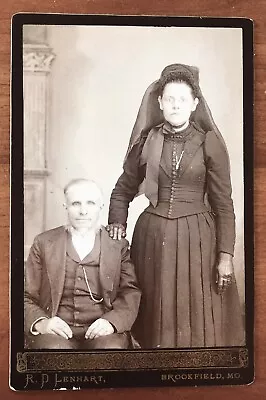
x=116 y=231
x=225 y=270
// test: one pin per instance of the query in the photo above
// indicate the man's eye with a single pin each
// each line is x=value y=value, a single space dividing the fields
x=75 y=203
x=169 y=99
x=91 y=203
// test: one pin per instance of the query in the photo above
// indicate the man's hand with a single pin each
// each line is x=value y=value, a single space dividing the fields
x=54 y=325
x=225 y=270
x=116 y=231
x=100 y=327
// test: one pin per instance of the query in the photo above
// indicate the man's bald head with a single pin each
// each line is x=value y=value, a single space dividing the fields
x=84 y=201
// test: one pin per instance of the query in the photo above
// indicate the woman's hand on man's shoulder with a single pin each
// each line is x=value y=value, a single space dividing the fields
x=116 y=231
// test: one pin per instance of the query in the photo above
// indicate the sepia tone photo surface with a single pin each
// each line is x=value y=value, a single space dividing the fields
x=135 y=175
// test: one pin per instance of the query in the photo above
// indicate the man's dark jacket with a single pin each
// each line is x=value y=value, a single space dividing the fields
x=45 y=275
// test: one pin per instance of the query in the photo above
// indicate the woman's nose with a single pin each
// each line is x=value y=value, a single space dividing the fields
x=176 y=103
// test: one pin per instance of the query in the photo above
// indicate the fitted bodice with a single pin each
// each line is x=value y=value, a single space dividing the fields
x=180 y=194
x=173 y=192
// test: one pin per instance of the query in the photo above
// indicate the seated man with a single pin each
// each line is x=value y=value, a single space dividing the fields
x=80 y=285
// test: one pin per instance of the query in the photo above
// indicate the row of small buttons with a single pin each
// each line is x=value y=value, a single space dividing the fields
x=77 y=291
x=174 y=175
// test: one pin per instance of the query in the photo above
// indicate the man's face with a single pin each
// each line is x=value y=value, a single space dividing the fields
x=177 y=103
x=83 y=206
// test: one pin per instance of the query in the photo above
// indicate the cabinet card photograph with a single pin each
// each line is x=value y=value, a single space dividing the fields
x=131 y=201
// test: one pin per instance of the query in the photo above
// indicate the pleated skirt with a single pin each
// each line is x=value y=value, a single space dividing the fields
x=175 y=262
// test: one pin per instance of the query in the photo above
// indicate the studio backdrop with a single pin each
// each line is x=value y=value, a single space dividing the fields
x=82 y=90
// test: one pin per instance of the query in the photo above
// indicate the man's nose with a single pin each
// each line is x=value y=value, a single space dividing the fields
x=83 y=210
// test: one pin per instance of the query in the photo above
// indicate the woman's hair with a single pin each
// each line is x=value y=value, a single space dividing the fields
x=178 y=76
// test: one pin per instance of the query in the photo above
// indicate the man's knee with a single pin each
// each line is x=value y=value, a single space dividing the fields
x=113 y=341
x=49 y=341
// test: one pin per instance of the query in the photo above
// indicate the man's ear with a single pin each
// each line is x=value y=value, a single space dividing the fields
x=160 y=102
x=196 y=102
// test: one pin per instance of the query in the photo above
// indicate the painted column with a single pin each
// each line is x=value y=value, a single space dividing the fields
x=37 y=61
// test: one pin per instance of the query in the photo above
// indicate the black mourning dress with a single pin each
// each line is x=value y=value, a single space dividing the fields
x=176 y=240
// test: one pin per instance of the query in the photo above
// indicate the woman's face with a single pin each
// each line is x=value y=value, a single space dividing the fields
x=177 y=103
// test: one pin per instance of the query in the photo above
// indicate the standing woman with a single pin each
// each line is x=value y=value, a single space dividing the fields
x=183 y=242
